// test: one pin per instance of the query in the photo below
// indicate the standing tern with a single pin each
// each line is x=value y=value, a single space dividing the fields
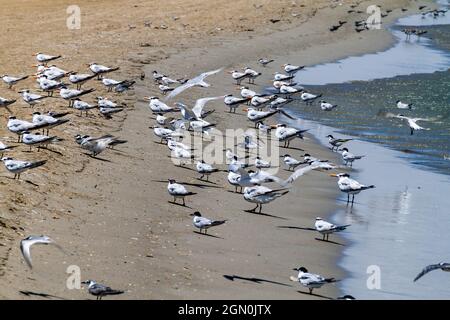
x=279 y=102
x=157 y=76
x=233 y=179
x=289 y=90
x=325 y=228
x=256 y=116
x=260 y=163
x=291 y=162
x=46 y=121
x=349 y=157
x=28 y=242
x=309 y=97
x=177 y=190
x=99 y=69
x=286 y=134
x=82 y=106
x=198 y=81
x=4 y=148
x=336 y=143
x=157 y=106
x=444 y=266
x=247 y=93
x=252 y=74
x=203 y=223
x=325 y=106
x=31 y=98
x=239 y=76
x=97 y=145
x=38 y=140
x=412 y=123
x=48 y=85
x=100 y=290
x=5 y=103
x=80 y=79
x=205 y=169
x=19 y=126
x=259 y=102
x=111 y=83
x=234 y=102
x=350 y=186
x=18 y=166
x=165 y=133
x=291 y=69
x=72 y=94
x=11 y=81
x=52 y=72
x=44 y=58
x=262 y=195
x=310 y=280
x=264 y=61
x=282 y=77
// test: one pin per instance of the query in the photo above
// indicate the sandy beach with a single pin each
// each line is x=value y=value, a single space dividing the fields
x=112 y=217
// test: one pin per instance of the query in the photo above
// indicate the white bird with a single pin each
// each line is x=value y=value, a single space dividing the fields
x=38 y=140
x=282 y=77
x=260 y=163
x=177 y=191
x=412 y=122
x=205 y=169
x=31 y=98
x=349 y=157
x=234 y=102
x=165 y=133
x=238 y=76
x=157 y=76
x=286 y=134
x=198 y=81
x=204 y=223
x=79 y=79
x=164 y=89
x=350 y=186
x=259 y=102
x=233 y=179
x=4 y=148
x=247 y=93
x=82 y=106
x=256 y=116
x=402 y=105
x=291 y=162
x=262 y=195
x=28 y=242
x=107 y=112
x=52 y=72
x=44 y=58
x=157 y=106
x=47 y=121
x=48 y=85
x=167 y=81
x=325 y=106
x=97 y=145
x=72 y=94
x=99 y=69
x=100 y=290
x=265 y=61
x=444 y=266
x=19 y=126
x=310 y=280
x=18 y=166
x=335 y=142
x=6 y=103
x=309 y=97
x=289 y=91
x=197 y=110
x=291 y=69
x=252 y=74
x=279 y=102
x=182 y=154
x=11 y=81
x=325 y=228
x=111 y=83
x=106 y=103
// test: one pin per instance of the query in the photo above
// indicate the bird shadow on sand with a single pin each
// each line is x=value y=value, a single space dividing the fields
x=297 y=228
x=40 y=294
x=315 y=295
x=97 y=158
x=265 y=214
x=207 y=181
x=293 y=148
x=254 y=280
x=179 y=204
x=208 y=235
x=32 y=183
x=330 y=241
x=197 y=185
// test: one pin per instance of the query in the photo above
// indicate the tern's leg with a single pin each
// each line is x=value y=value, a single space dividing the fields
x=323 y=237
x=174 y=200
x=260 y=208
x=254 y=209
x=201 y=178
x=184 y=202
x=353 y=199
x=207 y=177
x=310 y=290
x=348 y=197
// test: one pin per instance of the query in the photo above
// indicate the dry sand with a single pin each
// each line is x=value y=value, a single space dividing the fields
x=111 y=216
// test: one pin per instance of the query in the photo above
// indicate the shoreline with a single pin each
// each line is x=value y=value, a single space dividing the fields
x=164 y=278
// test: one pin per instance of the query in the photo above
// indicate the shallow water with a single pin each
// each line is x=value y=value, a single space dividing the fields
x=401 y=225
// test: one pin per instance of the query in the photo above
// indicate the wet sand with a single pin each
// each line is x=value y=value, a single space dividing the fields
x=111 y=216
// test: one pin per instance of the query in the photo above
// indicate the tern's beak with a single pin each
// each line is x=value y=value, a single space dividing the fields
x=246 y=109
x=273 y=126
x=333 y=175
x=146 y=98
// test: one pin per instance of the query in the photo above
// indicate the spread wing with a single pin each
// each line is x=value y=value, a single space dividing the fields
x=300 y=172
x=427 y=269
x=200 y=104
x=191 y=83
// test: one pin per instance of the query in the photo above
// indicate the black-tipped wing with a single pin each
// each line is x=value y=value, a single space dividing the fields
x=430 y=268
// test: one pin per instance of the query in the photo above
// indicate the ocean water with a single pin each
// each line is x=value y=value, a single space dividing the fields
x=402 y=225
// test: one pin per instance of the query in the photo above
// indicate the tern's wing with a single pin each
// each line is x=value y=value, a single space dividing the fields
x=209 y=73
x=179 y=90
x=200 y=104
x=300 y=172
x=427 y=269
x=25 y=246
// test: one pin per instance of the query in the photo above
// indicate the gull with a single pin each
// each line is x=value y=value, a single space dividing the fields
x=282 y=77
x=100 y=290
x=350 y=186
x=325 y=106
x=247 y=93
x=310 y=280
x=11 y=81
x=325 y=228
x=71 y=94
x=264 y=61
x=6 y=103
x=291 y=162
x=80 y=79
x=205 y=169
x=234 y=102
x=349 y=157
x=204 y=223
x=289 y=91
x=336 y=143
x=82 y=106
x=309 y=97
x=99 y=69
x=402 y=105
x=38 y=140
x=177 y=190
x=19 y=126
x=286 y=134
x=260 y=163
x=198 y=81
x=157 y=106
x=279 y=102
x=111 y=83
x=262 y=195
x=18 y=166
x=444 y=266
x=4 y=147
x=44 y=58
x=238 y=76
x=258 y=101
x=28 y=242
x=31 y=98
x=157 y=76
x=291 y=69
x=252 y=74
x=47 y=121
x=412 y=122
